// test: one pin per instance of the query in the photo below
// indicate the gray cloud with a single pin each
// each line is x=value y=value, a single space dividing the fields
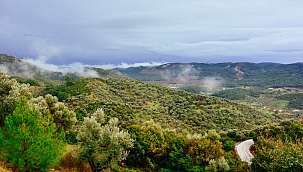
x=115 y=32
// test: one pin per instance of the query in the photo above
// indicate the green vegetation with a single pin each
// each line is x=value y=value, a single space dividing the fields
x=134 y=102
x=194 y=89
x=237 y=93
x=275 y=99
x=69 y=89
x=263 y=75
x=27 y=81
x=56 y=111
x=275 y=155
x=25 y=72
x=28 y=142
x=10 y=91
x=295 y=100
x=103 y=146
x=160 y=145
x=156 y=148
x=278 y=147
x=121 y=124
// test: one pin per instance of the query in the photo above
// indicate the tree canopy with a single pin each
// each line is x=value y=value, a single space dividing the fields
x=28 y=142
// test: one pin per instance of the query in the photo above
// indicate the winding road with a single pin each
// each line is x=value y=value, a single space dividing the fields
x=243 y=150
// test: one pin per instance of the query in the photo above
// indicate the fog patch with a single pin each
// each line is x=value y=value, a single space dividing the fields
x=127 y=65
x=19 y=69
x=82 y=69
x=77 y=68
x=41 y=62
x=186 y=75
x=212 y=83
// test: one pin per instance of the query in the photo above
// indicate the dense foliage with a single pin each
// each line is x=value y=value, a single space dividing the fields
x=275 y=155
x=134 y=102
x=156 y=148
x=154 y=128
x=55 y=110
x=28 y=142
x=10 y=91
x=278 y=147
x=234 y=74
x=237 y=93
x=295 y=100
x=103 y=146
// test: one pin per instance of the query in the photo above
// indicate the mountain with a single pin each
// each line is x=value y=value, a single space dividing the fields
x=21 y=68
x=186 y=124
x=230 y=74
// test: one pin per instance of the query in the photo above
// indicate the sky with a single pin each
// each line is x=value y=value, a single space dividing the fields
x=113 y=33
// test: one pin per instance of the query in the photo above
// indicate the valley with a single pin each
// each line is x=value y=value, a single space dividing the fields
x=177 y=117
x=260 y=85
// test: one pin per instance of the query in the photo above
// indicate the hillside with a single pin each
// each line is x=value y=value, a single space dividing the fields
x=228 y=74
x=22 y=69
x=171 y=129
x=277 y=99
x=135 y=102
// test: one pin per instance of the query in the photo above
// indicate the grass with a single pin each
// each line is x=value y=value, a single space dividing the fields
x=71 y=163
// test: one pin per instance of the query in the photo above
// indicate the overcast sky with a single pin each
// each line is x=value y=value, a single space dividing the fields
x=99 y=32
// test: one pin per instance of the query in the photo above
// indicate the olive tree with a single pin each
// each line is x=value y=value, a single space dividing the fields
x=55 y=111
x=103 y=145
x=10 y=91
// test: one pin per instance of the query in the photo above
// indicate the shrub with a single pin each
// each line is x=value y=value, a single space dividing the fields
x=103 y=146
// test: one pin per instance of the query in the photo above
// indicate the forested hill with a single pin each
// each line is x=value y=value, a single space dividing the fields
x=162 y=129
x=21 y=68
x=233 y=74
x=134 y=102
x=228 y=74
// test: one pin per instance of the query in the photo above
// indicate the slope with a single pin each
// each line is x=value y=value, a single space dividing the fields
x=21 y=68
x=134 y=102
x=233 y=74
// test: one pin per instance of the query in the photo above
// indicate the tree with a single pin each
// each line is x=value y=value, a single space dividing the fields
x=103 y=146
x=10 y=91
x=203 y=150
x=219 y=165
x=149 y=145
x=55 y=110
x=273 y=154
x=212 y=135
x=27 y=143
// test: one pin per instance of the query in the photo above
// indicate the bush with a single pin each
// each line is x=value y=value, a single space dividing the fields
x=219 y=165
x=275 y=155
x=103 y=146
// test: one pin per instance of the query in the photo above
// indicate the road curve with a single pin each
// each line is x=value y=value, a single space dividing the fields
x=243 y=150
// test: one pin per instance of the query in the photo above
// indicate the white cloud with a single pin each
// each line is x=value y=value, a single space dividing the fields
x=83 y=69
x=76 y=67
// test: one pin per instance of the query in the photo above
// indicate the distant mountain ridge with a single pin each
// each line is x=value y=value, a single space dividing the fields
x=233 y=74
x=228 y=74
x=21 y=68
